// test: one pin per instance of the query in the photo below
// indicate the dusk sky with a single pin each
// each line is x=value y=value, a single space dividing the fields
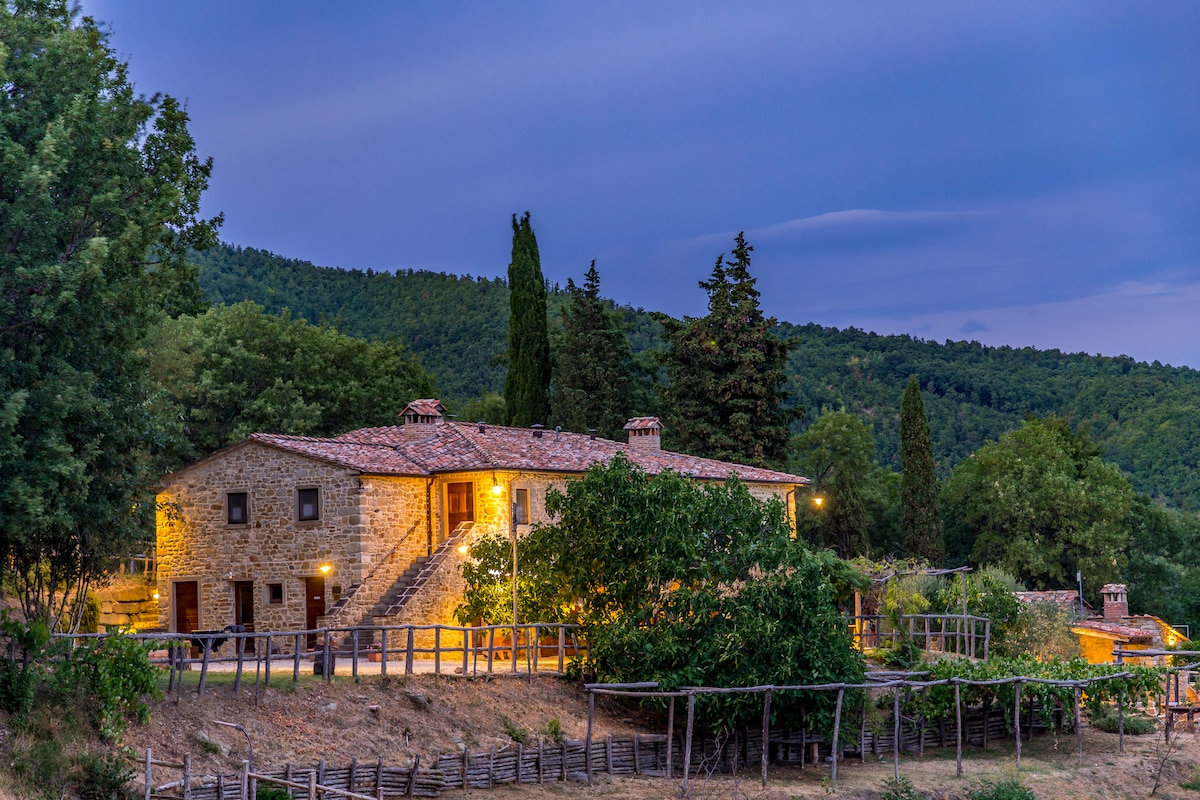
x=1012 y=173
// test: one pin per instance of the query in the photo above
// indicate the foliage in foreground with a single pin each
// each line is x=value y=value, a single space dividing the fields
x=68 y=706
x=684 y=584
x=99 y=199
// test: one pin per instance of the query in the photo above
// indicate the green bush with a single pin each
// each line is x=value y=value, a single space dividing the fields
x=1010 y=789
x=900 y=789
x=271 y=791
x=554 y=728
x=1105 y=719
x=103 y=776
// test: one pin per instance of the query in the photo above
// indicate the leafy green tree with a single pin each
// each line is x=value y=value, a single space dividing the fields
x=725 y=372
x=1163 y=574
x=99 y=198
x=720 y=594
x=1041 y=503
x=594 y=364
x=527 y=383
x=835 y=453
x=920 y=515
x=235 y=370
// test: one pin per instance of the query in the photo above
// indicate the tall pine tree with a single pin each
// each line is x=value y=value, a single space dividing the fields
x=725 y=371
x=527 y=384
x=921 y=522
x=595 y=364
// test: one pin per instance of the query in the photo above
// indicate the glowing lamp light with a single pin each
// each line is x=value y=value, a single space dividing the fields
x=325 y=568
x=818 y=500
x=462 y=548
x=497 y=489
x=155 y=595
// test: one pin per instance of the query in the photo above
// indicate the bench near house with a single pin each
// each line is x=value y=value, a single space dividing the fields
x=370 y=527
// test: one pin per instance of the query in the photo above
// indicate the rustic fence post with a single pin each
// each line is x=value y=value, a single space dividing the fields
x=327 y=658
x=1078 y=725
x=149 y=771
x=412 y=776
x=1017 y=722
x=588 y=753
x=204 y=664
x=958 y=732
x=766 y=736
x=408 y=652
x=837 y=724
x=383 y=651
x=187 y=776
x=896 y=733
x=437 y=650
x=670 y=735
x=241 y=655
x=244 y=781
x=687 y=746
x=312 y=785
x=562 y=649
x=354 y=653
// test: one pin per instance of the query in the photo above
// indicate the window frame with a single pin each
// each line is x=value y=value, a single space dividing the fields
x=526 y=507
x=300 y=491
x=245 y=494
x=270 y=587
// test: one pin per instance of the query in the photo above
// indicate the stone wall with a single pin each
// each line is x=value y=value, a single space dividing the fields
x=273 y=547
x=128 y=606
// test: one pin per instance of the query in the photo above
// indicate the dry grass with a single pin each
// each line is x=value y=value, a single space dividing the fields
x=429 y=714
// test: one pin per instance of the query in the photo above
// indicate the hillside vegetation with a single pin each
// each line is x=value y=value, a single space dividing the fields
x=1145 y=417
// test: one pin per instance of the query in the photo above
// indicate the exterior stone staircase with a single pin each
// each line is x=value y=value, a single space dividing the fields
x=356 y=605
x=408 y=584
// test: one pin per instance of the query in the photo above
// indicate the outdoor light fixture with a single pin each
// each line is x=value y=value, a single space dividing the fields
x=462 y=548
x=325 y=568
x=818 y=500
x=497 y=489
x=155 y=595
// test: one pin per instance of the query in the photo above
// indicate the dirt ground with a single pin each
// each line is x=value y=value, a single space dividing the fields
x=400 y=717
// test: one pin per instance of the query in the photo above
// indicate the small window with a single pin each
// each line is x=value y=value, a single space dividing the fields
x=309 y=504
x=237 y=508
x=521 y=506
x=274 y=594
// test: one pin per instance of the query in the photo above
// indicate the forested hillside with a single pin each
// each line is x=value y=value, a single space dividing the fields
x=1145 y=417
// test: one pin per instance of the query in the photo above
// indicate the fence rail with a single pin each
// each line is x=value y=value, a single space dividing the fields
x=367 y=649
x=952 y=634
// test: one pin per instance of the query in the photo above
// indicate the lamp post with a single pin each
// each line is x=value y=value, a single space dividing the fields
x=514 y=582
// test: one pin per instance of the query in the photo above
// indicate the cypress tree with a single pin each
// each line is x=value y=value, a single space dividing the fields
x=595 y=364
x=726 y=371
x=921 y=522
x=527 y=384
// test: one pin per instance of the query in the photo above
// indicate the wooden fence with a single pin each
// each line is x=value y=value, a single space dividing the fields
x=569 y=760
x=952 y=634
x=489 y=650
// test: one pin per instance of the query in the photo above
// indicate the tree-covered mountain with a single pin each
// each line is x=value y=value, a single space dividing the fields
x=1145 y=417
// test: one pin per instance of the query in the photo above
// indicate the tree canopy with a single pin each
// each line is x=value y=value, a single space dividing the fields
x=235 y=370
x=1041 y=503
x=721 y=594
x=921 y=519
x=595 y=370
x=527 y=383
x=836 y=454
x=725 y=372
x=99 y=199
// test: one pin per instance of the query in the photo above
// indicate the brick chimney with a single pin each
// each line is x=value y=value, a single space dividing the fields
x=421 y=418
x=1116 y=602
x=645 y=433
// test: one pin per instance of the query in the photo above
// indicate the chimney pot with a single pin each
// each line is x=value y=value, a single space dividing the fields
x=537 y=429
x=1116 y=602
x=644 y=433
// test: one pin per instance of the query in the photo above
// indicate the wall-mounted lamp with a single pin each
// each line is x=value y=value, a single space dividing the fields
x=325 y=569
x=462 y=548
x=497 y=489
x=155 y=595
x=818 y=500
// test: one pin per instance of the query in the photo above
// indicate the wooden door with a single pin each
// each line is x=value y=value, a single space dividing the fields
x=243 y=604
x=187 y=606
x=314 y=605
x=460 y=505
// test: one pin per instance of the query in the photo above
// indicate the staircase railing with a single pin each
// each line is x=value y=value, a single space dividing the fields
x=439 y=555
x=362 y=590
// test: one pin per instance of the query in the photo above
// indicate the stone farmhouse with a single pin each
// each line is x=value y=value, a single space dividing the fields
x=370 y=527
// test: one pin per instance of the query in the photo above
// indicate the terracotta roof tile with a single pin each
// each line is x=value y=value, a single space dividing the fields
x=1114 y=629
x=457 y=446
x=643 y=423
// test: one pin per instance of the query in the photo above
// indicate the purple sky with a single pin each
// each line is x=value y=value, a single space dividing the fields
x=1014 y=173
